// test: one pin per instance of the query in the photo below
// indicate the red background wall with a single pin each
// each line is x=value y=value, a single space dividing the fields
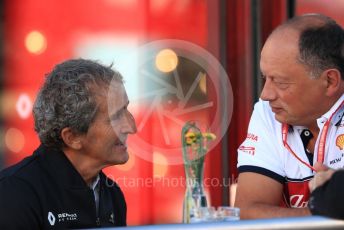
x=198 y=21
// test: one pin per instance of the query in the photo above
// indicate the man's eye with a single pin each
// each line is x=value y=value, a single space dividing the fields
x=282 y=85
x=116 y=117
x=120 y=114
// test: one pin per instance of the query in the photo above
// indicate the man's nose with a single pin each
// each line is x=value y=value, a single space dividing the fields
x=268 y=93
x=130 y=124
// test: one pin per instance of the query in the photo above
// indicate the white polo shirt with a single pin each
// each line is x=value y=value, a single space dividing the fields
x=263 y=151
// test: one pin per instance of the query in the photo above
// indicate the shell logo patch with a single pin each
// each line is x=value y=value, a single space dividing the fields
x=340 y=141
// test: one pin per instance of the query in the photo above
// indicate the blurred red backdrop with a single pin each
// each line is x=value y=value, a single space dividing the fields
x=39 y=34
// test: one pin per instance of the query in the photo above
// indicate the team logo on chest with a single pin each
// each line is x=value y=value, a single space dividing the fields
x=340 y=141
x=338 y=153
x=61 y=217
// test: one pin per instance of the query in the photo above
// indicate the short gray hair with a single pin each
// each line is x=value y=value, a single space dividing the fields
x=67 y=99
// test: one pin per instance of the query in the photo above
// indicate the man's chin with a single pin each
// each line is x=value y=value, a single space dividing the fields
x=119 y=159
x=123 y=159
x=281 y=118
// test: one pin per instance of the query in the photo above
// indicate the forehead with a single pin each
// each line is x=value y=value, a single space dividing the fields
x=280 y=52
x=116 y=97
x=116 y=91
x=109 y=97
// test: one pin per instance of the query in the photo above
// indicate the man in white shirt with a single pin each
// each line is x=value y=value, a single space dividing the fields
x=298 y=120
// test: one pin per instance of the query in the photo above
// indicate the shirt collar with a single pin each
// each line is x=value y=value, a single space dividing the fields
x=57 y=164
x=328 y=114
x=94 y=184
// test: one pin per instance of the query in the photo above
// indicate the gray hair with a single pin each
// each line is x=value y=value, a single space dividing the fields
x=67 y=99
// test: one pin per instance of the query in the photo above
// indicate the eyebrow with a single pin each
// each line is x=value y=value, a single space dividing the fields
x=279 y=77
x=115 y=115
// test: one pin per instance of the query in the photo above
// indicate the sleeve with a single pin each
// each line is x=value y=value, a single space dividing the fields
x=328 y=199
x=260 y=151
x=19 y=207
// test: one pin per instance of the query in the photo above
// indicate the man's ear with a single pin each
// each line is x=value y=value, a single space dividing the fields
x=71 y=139
x=334 y=81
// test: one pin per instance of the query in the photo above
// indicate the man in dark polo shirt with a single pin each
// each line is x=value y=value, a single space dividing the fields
x=82 y=121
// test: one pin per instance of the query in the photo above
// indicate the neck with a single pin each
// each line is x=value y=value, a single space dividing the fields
x=86 y=166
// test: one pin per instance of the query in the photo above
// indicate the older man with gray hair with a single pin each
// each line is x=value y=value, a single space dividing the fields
x=82 y=121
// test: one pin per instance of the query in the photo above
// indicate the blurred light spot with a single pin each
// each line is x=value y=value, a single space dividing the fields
x=203 y=83
x=166 y=60
x=100 y=46
x=8 y=101
x=14 y=140
x=160 y=166
x=35 y=42
x=24 y=106
x=129 y=165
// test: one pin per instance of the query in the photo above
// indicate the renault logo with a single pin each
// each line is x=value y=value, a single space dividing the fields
x=51 y=218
